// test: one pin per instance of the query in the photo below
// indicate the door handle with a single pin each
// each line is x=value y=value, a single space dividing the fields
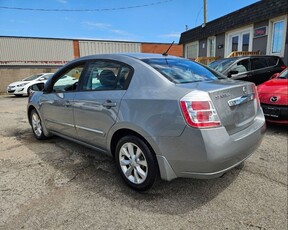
x=108 y=104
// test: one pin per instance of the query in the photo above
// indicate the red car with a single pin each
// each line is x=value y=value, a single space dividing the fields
x=273 y=95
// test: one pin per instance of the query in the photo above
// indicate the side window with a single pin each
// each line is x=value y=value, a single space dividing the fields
x=106 y=75
x=258 y=63
x=272 y=61
x=241 y=66
x=69 y=80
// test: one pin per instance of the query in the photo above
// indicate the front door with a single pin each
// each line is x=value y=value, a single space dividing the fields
x=57 y=104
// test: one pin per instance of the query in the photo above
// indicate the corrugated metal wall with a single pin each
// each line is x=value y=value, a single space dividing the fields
x=35 y=51
x=99 y=47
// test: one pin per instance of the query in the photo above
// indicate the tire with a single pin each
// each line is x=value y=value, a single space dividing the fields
x=18 y=95
x=37 y=126
x=136 y=163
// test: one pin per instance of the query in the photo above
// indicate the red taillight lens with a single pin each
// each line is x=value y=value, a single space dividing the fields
x=283 y=67
x=199 y=114
x=200 y=105
x=256 y=96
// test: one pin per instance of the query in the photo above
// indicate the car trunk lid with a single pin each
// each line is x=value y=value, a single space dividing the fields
x=236 y=102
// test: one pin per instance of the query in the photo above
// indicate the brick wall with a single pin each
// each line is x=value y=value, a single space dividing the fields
x=175 y=50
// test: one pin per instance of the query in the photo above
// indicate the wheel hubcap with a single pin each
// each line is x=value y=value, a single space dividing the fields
x=133 y=163
x=36 y=124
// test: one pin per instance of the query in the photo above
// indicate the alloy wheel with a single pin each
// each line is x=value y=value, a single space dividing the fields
x=133 y=163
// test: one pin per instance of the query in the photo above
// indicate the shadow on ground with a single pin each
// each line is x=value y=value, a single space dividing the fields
x=97 y=173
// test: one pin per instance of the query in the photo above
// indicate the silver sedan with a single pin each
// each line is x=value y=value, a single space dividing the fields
x=155 y=114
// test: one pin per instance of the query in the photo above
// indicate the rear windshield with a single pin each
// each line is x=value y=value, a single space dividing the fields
x=182 y=70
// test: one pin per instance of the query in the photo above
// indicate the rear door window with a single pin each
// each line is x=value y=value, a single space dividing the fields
x=106 y=75
x=258 y=63
x=272 y=61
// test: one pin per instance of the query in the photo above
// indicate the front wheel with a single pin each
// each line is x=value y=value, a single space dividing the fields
x=36 y=124
x=136 y=162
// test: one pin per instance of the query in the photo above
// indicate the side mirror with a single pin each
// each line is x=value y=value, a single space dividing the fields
x=230 y=73
x=275 y=75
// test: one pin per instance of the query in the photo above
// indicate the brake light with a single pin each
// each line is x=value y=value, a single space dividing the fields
x=199 y=111
x=256 y=95
x=283 y=67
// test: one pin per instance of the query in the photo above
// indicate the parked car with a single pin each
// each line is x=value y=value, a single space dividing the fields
x=23 y=87
x=257 y=69
x=153 y=114
x=62 y=82
x=273 y=95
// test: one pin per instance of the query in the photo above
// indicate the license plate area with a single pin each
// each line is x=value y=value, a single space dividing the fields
x=271 y=112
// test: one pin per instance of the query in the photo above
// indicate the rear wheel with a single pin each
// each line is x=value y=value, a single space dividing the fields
x=36 y=124
x=136 y=163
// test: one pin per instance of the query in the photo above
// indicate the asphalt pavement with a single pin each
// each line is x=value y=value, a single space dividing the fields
x=57 y=184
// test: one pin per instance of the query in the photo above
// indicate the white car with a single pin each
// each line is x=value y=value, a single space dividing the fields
x=23 y=87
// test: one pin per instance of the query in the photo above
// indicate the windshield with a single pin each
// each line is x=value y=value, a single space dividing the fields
x=221 y=65
x=33 y=77
x=182 y=70
x=284 y=74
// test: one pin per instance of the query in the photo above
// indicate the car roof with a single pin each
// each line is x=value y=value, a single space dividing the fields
x=242 y=57
x=131 y=55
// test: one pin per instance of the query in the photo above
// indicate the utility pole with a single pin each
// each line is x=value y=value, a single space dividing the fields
x=205 y=13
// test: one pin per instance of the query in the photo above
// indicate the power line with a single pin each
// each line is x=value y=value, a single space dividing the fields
x=86 y=10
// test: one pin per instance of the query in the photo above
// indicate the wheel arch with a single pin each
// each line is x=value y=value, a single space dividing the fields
x=165 y=170
x=117 y=135
x=29 y=110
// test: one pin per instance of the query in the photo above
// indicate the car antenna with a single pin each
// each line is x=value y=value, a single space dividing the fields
x=166 y=53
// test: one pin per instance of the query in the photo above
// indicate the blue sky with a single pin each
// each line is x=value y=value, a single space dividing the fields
x=129 y=20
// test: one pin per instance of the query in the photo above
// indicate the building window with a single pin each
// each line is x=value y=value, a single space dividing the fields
x=239 y=40
x=192 y=50
x=235 y=43
x=245 y=42
x=277 y=36
x=211 y=47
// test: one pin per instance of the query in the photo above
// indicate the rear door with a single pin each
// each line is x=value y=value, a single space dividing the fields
x=261 y=72
x=97 y=103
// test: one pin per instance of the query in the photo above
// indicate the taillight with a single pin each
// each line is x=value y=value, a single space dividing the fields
x=198 y=110
x=256 y=96
x=283 y=67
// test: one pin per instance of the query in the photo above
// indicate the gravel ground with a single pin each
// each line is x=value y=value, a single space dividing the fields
x=57 y=184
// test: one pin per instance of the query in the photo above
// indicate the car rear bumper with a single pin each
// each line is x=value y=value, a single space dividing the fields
x=208 y=153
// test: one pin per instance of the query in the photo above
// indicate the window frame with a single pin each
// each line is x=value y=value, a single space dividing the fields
x=196 y=43
x=272 y=22
x=213 y=38
x=48 y=88
x=238 y=32
x=84 y=77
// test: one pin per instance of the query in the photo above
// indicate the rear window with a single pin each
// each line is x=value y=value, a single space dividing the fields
x=272 y=61
x=182 y=70
x=258 y=63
